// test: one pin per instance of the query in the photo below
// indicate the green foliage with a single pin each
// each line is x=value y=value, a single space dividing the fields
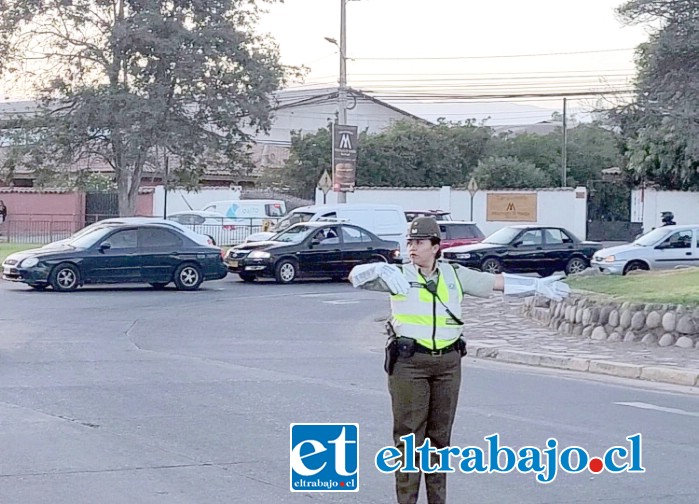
x=129 y=80
x=509 y=172
x=411 y=154
x=661 y=126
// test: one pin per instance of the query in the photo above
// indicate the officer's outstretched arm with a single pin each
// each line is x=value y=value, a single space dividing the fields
x=380 y=277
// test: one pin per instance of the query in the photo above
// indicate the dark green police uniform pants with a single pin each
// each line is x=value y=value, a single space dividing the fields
x=424 y=394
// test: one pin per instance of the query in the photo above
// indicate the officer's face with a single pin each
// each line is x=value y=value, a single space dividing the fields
x=422 y=253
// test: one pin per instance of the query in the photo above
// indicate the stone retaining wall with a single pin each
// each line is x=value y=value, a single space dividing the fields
x=653 y=324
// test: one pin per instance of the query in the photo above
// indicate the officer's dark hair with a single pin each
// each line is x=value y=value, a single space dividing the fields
x=436 y=241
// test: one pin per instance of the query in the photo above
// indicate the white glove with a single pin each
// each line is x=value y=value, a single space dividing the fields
x=388 y=273
x=550 y=287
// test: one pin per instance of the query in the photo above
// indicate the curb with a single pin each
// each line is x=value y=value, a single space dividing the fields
x=675 y=376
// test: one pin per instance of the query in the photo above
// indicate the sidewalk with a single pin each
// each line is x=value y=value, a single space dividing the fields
x=497 y=330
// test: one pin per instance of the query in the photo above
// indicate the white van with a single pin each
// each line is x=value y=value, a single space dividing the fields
x=249 y=209
x=385 y=221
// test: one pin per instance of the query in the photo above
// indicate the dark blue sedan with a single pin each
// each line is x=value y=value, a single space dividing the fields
x=148 y=253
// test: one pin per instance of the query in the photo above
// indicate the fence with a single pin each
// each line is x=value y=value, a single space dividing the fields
x=225 y=233
x=19 y=230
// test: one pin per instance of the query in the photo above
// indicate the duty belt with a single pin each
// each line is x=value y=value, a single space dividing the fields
x=423 y=349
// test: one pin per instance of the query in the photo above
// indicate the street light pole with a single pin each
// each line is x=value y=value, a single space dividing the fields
x=342 y=91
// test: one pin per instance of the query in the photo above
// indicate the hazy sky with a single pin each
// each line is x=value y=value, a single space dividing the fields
x=468 y=29
x=455 y=39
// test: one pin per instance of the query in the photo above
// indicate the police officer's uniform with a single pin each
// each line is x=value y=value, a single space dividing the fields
x=424 y=387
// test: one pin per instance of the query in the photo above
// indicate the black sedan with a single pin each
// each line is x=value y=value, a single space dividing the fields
x=154 y=254
x=311 y=249
x=526 y=249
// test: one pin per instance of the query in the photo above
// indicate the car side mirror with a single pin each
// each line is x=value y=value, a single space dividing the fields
x=315 y=242
x=517 y=243
x=105 y=246
x=662 y=246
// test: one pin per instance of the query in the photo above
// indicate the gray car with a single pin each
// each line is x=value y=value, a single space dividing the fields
x=667 y=247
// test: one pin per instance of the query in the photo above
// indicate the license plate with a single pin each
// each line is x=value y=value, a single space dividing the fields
x=6 y=270
x=233 y=264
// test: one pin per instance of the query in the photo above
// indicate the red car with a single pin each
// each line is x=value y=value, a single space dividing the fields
x=455 y=233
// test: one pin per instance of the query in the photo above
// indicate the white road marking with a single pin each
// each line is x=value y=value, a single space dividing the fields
x=648 y=406
x=342 y=301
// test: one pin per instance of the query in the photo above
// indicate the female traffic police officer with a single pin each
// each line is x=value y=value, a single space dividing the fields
x=425 y=376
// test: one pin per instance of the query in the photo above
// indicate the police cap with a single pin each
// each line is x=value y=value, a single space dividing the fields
x=424 y=227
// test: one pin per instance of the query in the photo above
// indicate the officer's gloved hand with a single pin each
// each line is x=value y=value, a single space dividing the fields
x=394 y=279
x=550 y=287
x=388 y=273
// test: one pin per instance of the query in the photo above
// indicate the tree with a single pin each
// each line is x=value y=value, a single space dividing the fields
x=661 y=126
x=509 y=173
x=130 y=82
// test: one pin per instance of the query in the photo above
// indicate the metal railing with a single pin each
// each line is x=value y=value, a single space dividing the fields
x=227 y=233
x=37 y=231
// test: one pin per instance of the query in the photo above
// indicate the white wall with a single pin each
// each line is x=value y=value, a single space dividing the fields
x=555 y=207
x=177 y=200
x=647 y=205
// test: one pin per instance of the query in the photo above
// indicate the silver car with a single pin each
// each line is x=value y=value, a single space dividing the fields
x=667 y=247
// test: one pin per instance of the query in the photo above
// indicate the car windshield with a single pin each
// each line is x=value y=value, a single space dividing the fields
x=652 y=237
x=503 y=236
x=294 y=234
x=291 y=219
x=87 y=240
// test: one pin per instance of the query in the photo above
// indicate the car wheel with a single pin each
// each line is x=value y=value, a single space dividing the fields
x=635 y=266
x=247 y=277
x=39 y=287
x=286 y=271
x=64 y=278
x=158 y=285
x=575 y=265
x=188 y=277
x=491 y=265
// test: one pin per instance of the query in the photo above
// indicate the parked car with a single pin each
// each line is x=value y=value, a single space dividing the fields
x=666 y=247
x=385 y=221
x=147 y=253
x=455 y=233
x=202 y=239
x=311 y=249
x=221 y=229
x=439 y=215
x=535 y=249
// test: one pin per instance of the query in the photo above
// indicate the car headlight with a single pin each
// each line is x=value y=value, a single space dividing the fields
x=609 y=259
x=259 y=254
x=463 y=256
x=29 y=262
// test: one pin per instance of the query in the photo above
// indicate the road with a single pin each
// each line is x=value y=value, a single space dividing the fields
x=134 y=396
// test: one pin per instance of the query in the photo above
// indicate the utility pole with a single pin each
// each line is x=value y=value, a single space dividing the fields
x=564 y=161
x=342 y=91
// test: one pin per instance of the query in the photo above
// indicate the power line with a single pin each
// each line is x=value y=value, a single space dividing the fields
x=497 y=56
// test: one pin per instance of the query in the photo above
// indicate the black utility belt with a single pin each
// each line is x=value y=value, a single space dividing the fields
x=418 y=348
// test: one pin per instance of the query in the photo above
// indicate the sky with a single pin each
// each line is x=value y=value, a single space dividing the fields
x=428 y=56
x=465 y=48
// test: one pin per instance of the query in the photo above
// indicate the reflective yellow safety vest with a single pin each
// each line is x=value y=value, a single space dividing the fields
x=421 y=316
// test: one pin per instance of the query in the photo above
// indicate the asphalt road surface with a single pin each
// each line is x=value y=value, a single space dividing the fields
x=129 y=395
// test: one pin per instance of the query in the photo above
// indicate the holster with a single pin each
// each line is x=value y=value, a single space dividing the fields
x=462 y=347
x=391 y=349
